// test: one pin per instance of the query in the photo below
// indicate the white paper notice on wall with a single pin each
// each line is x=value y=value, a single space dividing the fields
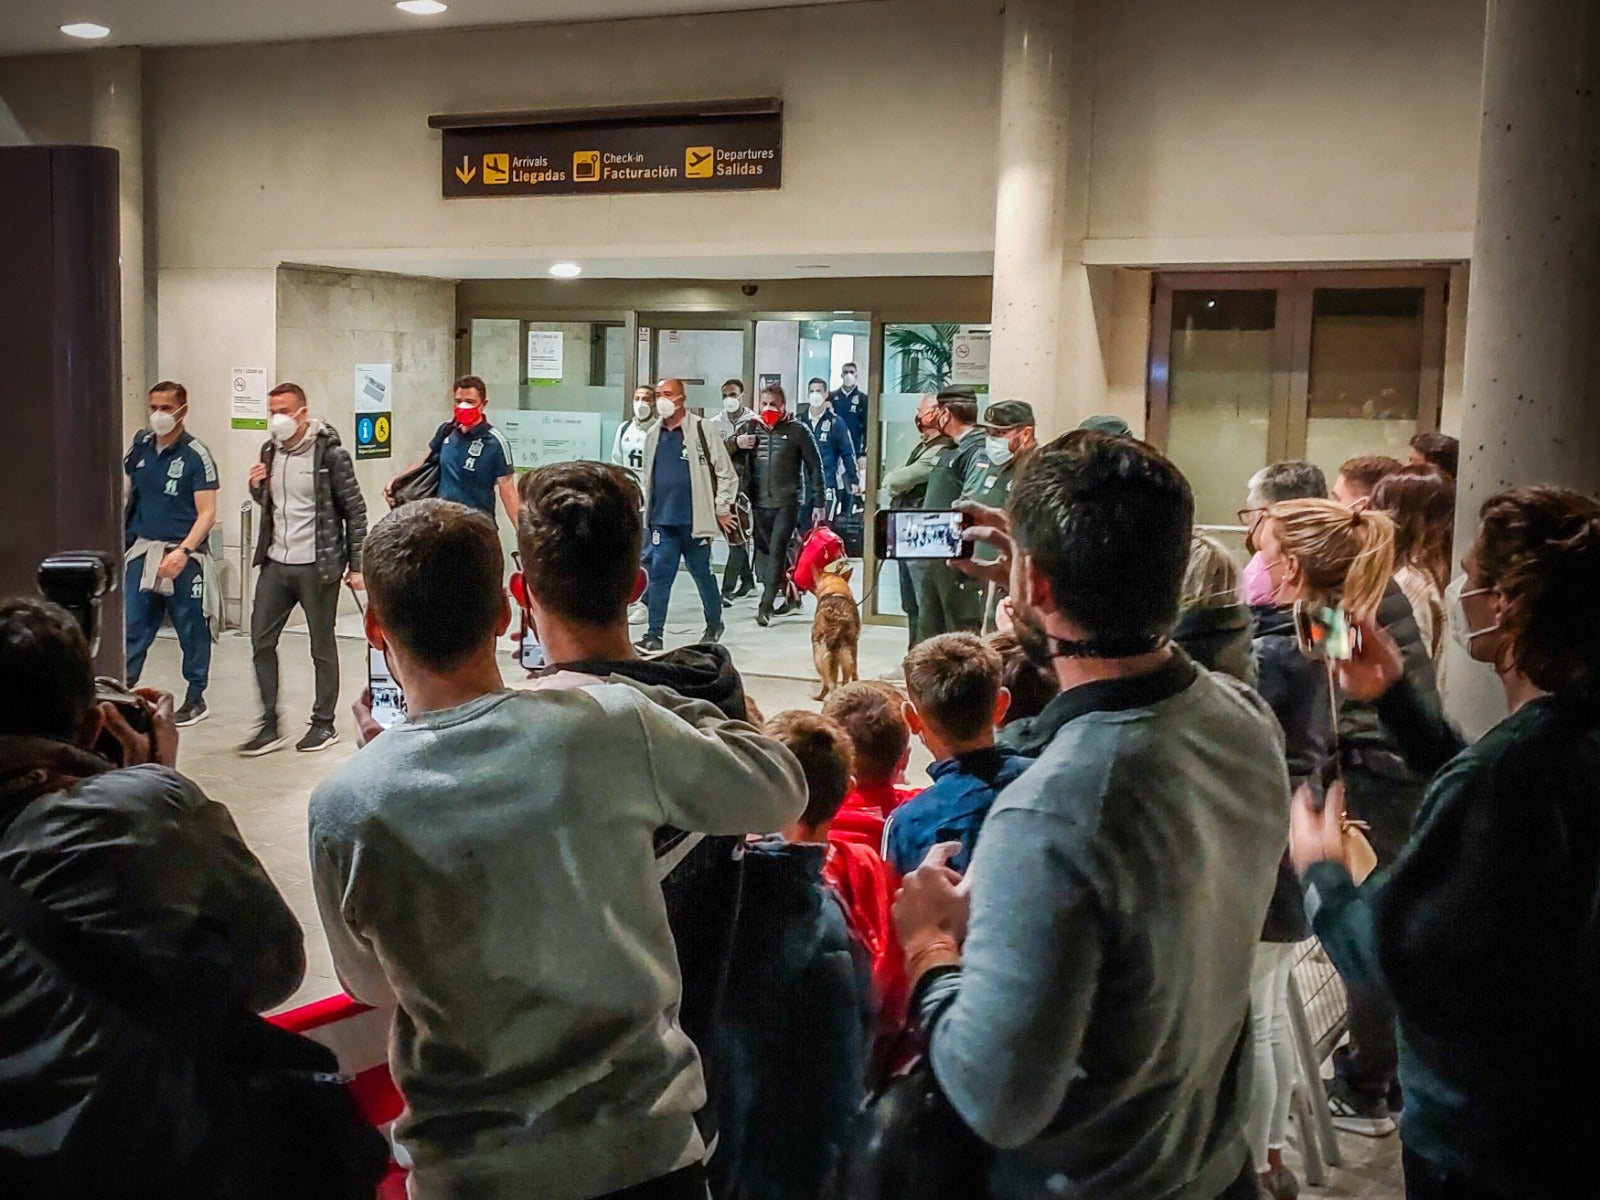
x=247 y=391
x=969 y=357
x=374 y=388
x=541 y=438
x=545 y=350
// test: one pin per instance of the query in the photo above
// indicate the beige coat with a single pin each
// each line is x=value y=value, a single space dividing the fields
x=713 y=484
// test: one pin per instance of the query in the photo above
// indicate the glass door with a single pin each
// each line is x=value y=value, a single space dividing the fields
x=702 y=351
x=1249 y=368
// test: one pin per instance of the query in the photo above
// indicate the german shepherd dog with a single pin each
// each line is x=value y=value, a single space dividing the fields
x=836 y=628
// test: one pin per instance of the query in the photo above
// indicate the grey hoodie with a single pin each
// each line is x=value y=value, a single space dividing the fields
x=490 y=870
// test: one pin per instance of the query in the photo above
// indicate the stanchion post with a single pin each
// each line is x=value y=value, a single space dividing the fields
x=247 y=531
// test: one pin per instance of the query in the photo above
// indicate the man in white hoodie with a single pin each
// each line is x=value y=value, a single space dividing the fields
x=627 y=449
x=487 y=868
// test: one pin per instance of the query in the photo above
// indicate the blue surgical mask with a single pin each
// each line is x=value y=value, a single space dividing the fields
x=997 y=450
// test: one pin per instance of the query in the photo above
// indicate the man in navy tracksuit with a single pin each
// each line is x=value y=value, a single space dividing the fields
x=839 y=471
x=850 y=402
x=171 y=505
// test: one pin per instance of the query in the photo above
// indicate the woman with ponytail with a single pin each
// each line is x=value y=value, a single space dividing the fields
x=1318 y=554
x=1486 y=931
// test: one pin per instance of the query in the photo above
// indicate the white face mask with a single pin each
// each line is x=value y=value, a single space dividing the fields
x=997 y=450
x=732 y=404
x=819 y=401
x=1460 y=627
x=282 y=427
x=162 y=423
x=848 y=379
x=665 y=409
x=642 y=410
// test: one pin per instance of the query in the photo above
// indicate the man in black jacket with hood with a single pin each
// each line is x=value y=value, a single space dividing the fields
x=780 y=452
x=590 y=567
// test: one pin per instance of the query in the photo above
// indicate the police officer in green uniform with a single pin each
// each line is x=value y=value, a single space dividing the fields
x=1009 y=435
x=948 y=601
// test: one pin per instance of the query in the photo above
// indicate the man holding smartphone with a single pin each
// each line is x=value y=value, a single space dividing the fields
x=531 y=1065
x=313 y=521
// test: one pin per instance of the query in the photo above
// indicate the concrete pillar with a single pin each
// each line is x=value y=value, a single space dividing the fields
x=117 y=120
x=1532 y=377
x=1044 y=348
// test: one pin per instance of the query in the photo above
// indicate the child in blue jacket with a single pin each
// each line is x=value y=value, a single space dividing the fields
x=956 y=703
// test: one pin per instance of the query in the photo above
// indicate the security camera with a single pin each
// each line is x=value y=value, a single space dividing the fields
x=749 y=289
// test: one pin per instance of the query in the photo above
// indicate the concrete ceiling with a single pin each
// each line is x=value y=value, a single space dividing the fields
x=33 y=26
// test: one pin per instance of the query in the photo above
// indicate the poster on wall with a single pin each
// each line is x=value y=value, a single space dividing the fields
x=374 y=385
x=969 y=358
x=541 y=438
x=248 y=393
x=545 y=350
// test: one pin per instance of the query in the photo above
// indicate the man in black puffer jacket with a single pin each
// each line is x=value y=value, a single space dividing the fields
x=783 y=458
x=313 y=522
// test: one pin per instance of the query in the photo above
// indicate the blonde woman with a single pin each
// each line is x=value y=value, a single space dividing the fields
x=1321 y=554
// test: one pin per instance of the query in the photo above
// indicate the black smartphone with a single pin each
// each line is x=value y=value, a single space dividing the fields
x=920 y=533
x=388 y=700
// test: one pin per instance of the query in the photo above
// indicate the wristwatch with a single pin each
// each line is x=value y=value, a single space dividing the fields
x=187 y=553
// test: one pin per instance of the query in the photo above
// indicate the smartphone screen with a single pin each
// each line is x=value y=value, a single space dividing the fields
x=921 y=533
x=388 y=701
x=532 y=653
x=1326 y=633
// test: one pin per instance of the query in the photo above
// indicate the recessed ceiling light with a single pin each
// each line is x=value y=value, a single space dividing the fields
x=85 y=29
x=421 y=8
x=566 y=270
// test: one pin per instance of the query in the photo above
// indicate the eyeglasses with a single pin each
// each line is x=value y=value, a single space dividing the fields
x=1248 y=516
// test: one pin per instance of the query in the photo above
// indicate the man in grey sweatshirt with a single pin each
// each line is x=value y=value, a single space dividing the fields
x=1088 y=1013
x=486 y=868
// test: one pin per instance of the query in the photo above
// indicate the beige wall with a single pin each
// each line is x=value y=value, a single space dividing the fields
x=1241 y=130
x=328 y=321
x=264 y=153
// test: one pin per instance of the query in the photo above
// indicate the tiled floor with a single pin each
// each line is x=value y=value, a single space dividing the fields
x=268 y=795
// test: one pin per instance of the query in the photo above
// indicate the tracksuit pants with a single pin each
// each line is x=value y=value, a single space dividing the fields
x=187 y=608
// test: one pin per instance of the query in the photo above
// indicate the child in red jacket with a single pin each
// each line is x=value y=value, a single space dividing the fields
x=870 y=713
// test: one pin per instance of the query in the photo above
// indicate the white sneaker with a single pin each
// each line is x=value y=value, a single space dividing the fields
x=638 y=614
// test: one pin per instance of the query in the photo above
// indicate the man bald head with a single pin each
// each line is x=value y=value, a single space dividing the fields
x=671 y=402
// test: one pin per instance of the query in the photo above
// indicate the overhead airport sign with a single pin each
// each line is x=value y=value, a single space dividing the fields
x=714 y=147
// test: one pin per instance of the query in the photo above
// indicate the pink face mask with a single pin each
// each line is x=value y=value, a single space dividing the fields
x=1257 y=582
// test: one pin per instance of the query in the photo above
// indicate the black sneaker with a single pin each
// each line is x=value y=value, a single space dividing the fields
x=1358 y=1114
x=649 y=644
x=763 y=617
x=266 y=740
x=712 y=635
x=192 y=713
x=318 y=737
x=743 y=590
